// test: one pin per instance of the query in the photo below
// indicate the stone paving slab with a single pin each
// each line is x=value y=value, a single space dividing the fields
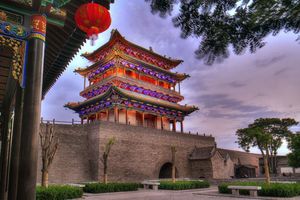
x=196 y=194
x=217 y=195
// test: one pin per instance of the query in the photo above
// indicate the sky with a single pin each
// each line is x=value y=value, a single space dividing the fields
x=230 y=95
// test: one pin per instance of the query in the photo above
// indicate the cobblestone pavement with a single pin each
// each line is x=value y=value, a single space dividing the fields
x=201 y=194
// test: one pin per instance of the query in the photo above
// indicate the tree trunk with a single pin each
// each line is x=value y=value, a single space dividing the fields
x=105 y=178
x=267 y=172
x=271 y=162
x=45 y=179
x=173 y=149
x=105 y=171
x=173 y=173
x=294 y=171
x=275 y=163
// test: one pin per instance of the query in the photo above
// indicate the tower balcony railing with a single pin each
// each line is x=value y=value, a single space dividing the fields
x=130 y=80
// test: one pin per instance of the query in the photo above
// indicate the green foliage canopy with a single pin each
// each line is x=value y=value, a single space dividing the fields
x=265 y=133
x=221 y=24
x=294 y=146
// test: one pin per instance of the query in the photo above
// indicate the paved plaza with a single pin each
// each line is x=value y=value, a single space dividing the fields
x=198 y=194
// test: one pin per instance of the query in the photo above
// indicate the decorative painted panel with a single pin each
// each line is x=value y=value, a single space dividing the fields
x=55 y=3
x=19 y=53
x=96 y=91
x=100 y=70
x=109 y=102
x=147 y=92
x=133 y=88
x=148 y=71
x=13 y=30
x=11 y=17
x=144 y=57
x=140 y=55
x=24 y=2
x=93 y=74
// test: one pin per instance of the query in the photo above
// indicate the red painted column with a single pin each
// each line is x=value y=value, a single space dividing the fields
x=174 y=125
x=126 y=115
x=116 y=114
x=107 y=115
x=143 y=119
x=181 y=126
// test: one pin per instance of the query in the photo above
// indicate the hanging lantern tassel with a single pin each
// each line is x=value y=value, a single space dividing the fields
x=93 y=19
x=93 y=34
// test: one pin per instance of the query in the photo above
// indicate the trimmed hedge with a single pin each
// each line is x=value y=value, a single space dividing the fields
x=272 y=190
x=58 y=192
x=110 y=187
x=183 y=185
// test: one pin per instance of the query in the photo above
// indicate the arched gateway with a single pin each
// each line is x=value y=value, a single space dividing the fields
x=166 y=171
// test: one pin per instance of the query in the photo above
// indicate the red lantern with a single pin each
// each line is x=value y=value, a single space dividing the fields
x=93 y=19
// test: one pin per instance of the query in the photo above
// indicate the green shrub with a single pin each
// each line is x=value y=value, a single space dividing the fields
x=58 y=192
x=110 y=187
x=223 y=188
x=182 y=185
x=272 y=190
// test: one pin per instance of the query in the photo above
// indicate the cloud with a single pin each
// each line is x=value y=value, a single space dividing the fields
x=267 y=62
x=224 y=101
x=281 y=71
x=230 y=94
x=236 y=84
x=254 y=115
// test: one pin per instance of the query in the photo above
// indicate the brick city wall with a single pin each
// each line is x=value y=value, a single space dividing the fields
x=138 y=153
x=70 y=164
x=222 y=169
x=243 y=158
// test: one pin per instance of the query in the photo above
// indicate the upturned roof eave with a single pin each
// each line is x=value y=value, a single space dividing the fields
x=116 y=36
x=134 y=82
x=62 y=44
x=186 y=109
x=85 y=71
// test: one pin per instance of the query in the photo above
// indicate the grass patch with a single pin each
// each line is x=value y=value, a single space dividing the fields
x=182 y=185
x=272 y=190
x=58 y=192
x=110 y=187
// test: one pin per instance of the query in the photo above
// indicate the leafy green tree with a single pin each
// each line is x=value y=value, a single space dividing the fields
x=294 y=146
x=105 y=155
x=278 y=129
x=221 y=24
x=266 y=134
x=255 y=137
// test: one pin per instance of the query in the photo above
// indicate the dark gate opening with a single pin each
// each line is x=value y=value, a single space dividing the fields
x=166 y=171
x=243 y=171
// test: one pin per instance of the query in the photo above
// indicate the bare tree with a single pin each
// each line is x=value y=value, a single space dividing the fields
x=173 y=150
x=105 y=155
x=49 y=144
